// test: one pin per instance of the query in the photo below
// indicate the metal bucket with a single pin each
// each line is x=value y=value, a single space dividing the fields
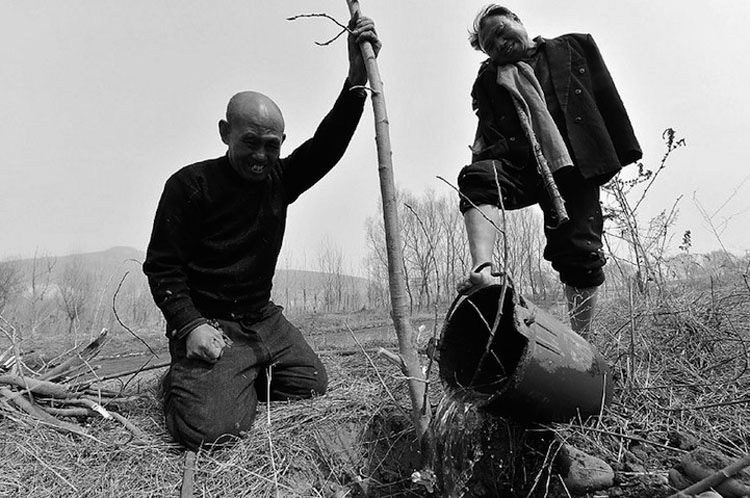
x=532 y=368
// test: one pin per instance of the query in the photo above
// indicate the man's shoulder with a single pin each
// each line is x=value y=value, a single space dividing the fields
x=486 y=73
x=570 y=38
x=200 y=169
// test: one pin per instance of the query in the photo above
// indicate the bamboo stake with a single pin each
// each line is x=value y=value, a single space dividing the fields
x=397 y=283
x=714 y=479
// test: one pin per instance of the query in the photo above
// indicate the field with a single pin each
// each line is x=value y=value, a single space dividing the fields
x=681 y=367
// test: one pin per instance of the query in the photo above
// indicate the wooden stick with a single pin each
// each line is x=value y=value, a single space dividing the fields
x=392 y=357
x=37 y=413
x=44 y=388
x=144 y=368
x=625 y=436
x=188 y=476
x=129 y=426
x=396 y=278
x=79 y=358
x=714 y=479
x=548 y=181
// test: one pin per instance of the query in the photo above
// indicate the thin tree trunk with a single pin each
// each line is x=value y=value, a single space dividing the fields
x=396 y=279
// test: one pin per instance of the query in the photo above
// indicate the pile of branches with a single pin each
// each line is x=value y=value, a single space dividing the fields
x=53 y=395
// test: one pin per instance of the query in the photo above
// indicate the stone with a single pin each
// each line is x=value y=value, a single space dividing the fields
x=681 y=441
x=677 y=480
x=583 y=473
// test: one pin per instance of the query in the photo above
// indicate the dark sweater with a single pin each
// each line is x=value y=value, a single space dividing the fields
x=216 y=237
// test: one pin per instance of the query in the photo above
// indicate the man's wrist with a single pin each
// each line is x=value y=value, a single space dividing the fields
x=357 y=89
x=184 y=331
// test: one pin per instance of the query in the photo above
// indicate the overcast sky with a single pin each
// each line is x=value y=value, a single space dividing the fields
x=102 y=100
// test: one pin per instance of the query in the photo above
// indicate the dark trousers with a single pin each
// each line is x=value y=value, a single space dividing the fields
x=208 y=403
x=574 y=248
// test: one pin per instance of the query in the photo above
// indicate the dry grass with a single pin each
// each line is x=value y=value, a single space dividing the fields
x=318 y=446
x=682 y=380
x=681 y=365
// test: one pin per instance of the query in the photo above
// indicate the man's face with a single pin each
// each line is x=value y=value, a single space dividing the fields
x=504 y=39
x=254 y=147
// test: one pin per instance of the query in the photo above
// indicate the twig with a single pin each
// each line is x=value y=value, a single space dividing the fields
x=129 y=426
x=87 y=353
x=711 y=405
x=392 y=357
x=344 y=29
x=48 y=467
x=624 y=436
x=40 y=415
x=14 y=345
x=377 y=372
x=30 y=385
x=433 y=340
x=463 y=196
x=117 y=316
x=672 y=145
x=503 y=291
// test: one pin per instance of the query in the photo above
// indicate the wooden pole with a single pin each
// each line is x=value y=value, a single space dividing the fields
x=188 y=475
x=714 y=479
x=396 y=279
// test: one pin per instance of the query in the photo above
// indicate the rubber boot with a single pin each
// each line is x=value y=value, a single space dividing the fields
x=581 y=307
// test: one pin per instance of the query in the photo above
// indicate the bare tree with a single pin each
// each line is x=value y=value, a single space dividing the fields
x=331 y=264
x=39 y=306
x=74 y=292
x=10 y=283
x=526 y=241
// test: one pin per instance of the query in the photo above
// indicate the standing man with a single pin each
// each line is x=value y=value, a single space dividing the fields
x=216 y=238
x=559 y=94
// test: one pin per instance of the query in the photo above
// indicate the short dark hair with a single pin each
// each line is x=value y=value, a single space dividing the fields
x=490 y=10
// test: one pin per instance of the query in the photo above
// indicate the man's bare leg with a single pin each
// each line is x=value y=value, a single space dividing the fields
x=482 y=236
x=581 y=307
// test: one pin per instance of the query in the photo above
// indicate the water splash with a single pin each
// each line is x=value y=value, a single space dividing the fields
x=458 y=428
x=479 y=454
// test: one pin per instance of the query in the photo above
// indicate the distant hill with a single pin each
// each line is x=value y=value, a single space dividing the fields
x=301 y=289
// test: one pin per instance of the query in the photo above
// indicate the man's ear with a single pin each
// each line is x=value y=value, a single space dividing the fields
x=224 y=131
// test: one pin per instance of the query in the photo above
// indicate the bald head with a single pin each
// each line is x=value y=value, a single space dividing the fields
x=255 y=108
x=253 y=131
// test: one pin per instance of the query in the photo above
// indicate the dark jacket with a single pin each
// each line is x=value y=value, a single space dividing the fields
x=217 y=237
x=590 y=113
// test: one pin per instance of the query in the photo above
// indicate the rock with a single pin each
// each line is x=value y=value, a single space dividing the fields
x=639 y=453
x=583 y=473
x=677 y=480
x=633 y=463
x=659 y=480
x=681 y=441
